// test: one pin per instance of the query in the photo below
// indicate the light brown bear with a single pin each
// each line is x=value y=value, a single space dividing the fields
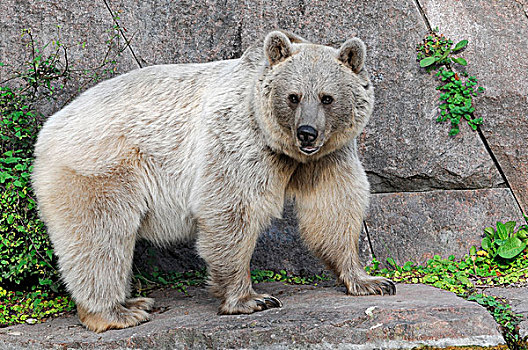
x=171 y=152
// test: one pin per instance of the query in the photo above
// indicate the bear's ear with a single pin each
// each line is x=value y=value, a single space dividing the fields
x=277 y=47
x=352 y=53
x=294 y=38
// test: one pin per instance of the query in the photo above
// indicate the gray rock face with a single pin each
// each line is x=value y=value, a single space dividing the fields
x=506 y=132
x=517 y=298
x=405 y=158
x=316 y=318
x=79 y=22
x=498 y=60
x=183 y=31
x=416 y=226
x=81 y=27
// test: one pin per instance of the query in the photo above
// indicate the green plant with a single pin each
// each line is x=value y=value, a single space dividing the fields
x=31 y=307
x=448 y=274
x=436 y=50
x=456 y=99
x=145 y=282
x=505 y=242
x=503 y=315
x=26 y=256
x=258 y=276
x=28 y=276
x=457 y=90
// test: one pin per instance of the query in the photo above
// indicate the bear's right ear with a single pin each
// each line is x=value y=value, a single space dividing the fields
x=277 y=47
x=352 y=54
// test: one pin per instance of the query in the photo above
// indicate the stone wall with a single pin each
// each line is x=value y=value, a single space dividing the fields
x=432 y=193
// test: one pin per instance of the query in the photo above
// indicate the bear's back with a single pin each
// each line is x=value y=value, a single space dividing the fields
x=162 y=102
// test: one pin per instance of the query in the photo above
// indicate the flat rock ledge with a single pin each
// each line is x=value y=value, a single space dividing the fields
x=517 y=298
x=312 y=317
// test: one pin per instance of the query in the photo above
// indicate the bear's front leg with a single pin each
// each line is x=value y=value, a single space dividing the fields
x=331 y=198
x=227 y=236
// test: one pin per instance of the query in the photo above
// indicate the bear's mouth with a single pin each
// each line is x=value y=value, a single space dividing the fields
x=309 y=149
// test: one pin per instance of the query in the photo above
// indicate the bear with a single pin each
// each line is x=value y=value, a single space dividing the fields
x=208 y=151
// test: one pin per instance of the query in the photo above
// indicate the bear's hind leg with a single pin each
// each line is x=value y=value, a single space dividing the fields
x=93 y=223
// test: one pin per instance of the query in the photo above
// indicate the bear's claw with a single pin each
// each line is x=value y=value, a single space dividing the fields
x=268 y=302
x=388 y=287
x=273 y=302
x=249 y=304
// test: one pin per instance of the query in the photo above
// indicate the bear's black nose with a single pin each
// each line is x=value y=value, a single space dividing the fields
x=306 y=134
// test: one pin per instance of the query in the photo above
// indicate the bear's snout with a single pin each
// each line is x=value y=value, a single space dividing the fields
x=307 y=135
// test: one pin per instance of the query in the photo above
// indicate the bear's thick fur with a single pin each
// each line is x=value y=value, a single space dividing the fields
x=172 y=152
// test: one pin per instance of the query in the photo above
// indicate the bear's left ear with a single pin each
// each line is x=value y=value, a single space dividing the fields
x=277 y=47
x=352 y=53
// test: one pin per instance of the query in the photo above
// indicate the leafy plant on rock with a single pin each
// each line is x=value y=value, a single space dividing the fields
x=456 y=99
x=436 y=49
x=258 y=276
x=505 y=242
x=28 y=275
x=457 y=90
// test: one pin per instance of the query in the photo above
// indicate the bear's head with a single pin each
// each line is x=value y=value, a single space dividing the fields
x=314 y=99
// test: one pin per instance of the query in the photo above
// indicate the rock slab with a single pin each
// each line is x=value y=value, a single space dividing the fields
x=312 y=317
x=517 y=298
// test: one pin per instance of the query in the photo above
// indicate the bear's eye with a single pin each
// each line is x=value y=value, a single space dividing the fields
x=326 y=100
x=293 y=99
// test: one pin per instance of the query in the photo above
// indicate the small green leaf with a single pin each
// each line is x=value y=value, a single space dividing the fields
x=502 y=232
x=486 y=244
x=473 y=250
x=427 y=61
x=510 y=227
x=490 y=231
x=459 y=60
x=444 y=55
x=4 y=175
x=393 y=264
x=453 y=132
x=460 y=45
x=522 y=235
x=18 y=183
